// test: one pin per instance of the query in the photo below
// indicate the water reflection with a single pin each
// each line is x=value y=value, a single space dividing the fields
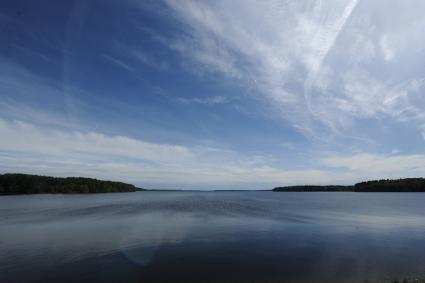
x=212 y=237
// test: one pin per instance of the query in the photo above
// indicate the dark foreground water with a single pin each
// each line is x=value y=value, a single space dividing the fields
x=212 y=237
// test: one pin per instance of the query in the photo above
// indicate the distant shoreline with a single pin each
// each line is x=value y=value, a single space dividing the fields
x=25 y=184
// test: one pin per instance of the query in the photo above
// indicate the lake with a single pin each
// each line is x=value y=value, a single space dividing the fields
x=212 y=237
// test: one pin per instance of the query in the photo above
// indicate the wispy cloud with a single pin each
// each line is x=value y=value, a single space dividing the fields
x=150 y=60
x=29 y=148
x=132 y=56
x=118 y=62
x=211 y=100
x=22 y=89
x=322 y=65
x=374 y=166
x=334 y=70
x=24 y=137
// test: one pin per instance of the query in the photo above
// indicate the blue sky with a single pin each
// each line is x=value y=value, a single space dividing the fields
x=213 y=94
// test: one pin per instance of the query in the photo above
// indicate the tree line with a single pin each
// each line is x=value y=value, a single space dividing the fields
x=34 y=184
x=385 y=185
x=398 y=185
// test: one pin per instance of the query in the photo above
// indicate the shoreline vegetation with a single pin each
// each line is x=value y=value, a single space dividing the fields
x=16 y=184
x=387 y=185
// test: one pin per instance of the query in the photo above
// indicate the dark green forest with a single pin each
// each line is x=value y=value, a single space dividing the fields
x=399 y=185
x=11 y=184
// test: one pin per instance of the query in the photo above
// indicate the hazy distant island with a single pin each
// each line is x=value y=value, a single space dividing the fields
x=399 y=185
x=14 y=184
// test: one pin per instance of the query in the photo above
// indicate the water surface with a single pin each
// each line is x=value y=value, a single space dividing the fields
x=212 y=237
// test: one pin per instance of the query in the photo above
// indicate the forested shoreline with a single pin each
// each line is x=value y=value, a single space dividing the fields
x=13 y=184
x=385 y=185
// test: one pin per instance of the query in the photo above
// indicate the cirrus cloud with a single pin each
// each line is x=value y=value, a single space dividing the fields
x=323 y=65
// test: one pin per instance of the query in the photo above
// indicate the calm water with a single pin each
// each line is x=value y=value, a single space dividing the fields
x=212 y=237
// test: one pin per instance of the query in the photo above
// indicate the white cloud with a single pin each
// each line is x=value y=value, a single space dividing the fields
x=366 y=97
x=315 y=61
x=288 y=145
x=322 y=65
x=148 y=59
x=33 y=149
x=211 y=100
x=118 y=62
x=24 y=137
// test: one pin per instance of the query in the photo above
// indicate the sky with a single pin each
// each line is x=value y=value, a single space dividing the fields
x=241 y=94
